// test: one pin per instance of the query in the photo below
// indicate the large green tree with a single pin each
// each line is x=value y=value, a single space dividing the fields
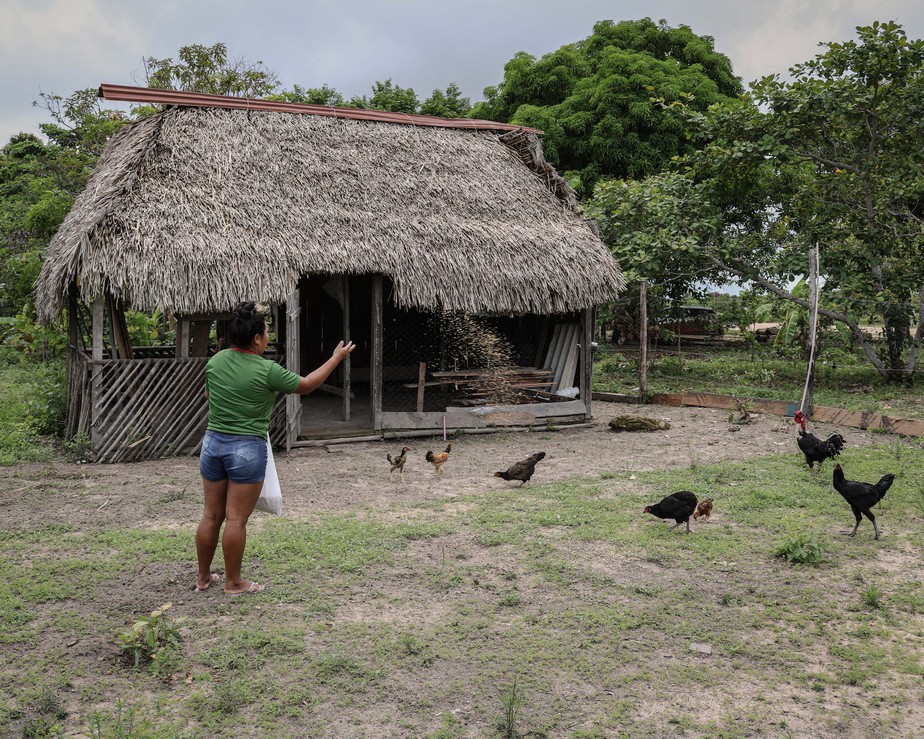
x=39 y=180
x=830 y=158
x=596 y=99
x=211 y=70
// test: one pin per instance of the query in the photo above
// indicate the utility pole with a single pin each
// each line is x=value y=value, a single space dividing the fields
x=807 y=400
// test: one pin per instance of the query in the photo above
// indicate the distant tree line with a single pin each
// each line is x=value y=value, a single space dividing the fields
x=693 y=180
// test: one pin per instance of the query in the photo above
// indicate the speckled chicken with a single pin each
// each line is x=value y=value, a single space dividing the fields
x=397 y=462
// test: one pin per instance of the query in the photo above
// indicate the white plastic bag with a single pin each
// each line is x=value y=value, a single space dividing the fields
x=270 y=500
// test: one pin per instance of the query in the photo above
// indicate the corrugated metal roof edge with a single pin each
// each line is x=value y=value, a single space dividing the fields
x=127 y=93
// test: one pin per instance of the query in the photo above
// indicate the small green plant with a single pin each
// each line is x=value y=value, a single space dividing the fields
x=153 y=640
x=802 y=548
x=120 y=725
x=78 y=448
x=412 y=645
x=872 y=597
x=512 y=700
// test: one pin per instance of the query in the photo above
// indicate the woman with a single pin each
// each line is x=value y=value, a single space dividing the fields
x=241 y=388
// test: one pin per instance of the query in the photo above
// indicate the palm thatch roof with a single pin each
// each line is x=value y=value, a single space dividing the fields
x=197 y=209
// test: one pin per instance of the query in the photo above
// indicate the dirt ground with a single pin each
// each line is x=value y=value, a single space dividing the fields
x=354 y=478
x=342 y=477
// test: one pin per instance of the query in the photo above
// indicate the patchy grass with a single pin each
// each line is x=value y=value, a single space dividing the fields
x=552 y=610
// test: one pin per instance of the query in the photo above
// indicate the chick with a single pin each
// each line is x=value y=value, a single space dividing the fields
x=704 y=509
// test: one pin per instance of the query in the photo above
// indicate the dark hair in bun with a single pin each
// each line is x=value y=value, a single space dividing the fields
x=247 y=323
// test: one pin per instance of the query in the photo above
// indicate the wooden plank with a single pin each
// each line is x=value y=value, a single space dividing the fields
x=459 y=418
x=710 y=400
x=617 y=398
x=421 y=385
x=571 y=360
x=553 y=360
x=511 y=418
x=540 y=410
x=861 y=420
x=543 y=335
x=822 y=414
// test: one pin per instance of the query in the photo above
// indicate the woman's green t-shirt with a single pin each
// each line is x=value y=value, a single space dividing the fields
x=242 y=390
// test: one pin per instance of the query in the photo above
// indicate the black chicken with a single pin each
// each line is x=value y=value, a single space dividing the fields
x=814 y=449
x=679 y=506
x=521 y=471
x=862 y=496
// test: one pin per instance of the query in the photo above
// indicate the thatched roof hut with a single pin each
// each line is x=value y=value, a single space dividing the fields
x=197 y=208
x=383 y=228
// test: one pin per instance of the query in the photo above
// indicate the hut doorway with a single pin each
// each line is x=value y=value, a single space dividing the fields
x=336 y=308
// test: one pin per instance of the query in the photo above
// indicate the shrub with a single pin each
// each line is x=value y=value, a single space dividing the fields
x=153 y=640
x=802 y=548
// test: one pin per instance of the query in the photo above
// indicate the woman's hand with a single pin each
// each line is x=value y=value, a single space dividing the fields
x=343 y=350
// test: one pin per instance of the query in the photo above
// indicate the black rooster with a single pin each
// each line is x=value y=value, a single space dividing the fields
x=521 y=471
x=862 y=496
x=814 y=449
x=679 y=506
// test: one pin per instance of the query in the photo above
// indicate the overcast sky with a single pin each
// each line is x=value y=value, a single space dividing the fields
x=58 y=46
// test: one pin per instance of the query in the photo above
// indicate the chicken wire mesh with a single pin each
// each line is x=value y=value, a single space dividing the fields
x=468 y=360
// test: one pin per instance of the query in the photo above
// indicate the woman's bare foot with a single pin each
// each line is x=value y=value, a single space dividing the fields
x=200 y=586
x=247 y=586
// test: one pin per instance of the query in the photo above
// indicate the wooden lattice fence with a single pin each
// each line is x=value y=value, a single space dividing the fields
x=135 y=409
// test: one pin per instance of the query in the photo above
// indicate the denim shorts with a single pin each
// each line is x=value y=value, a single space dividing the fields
x=233 y=457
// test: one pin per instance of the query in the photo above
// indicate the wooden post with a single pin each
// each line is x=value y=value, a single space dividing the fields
x=200 y=338
x=643 y=341
x=182 y=338
x=587 y=359
x=345 y=281
x=375 y=370
x=96 y=368
x=421 y=385
x=293 y=400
